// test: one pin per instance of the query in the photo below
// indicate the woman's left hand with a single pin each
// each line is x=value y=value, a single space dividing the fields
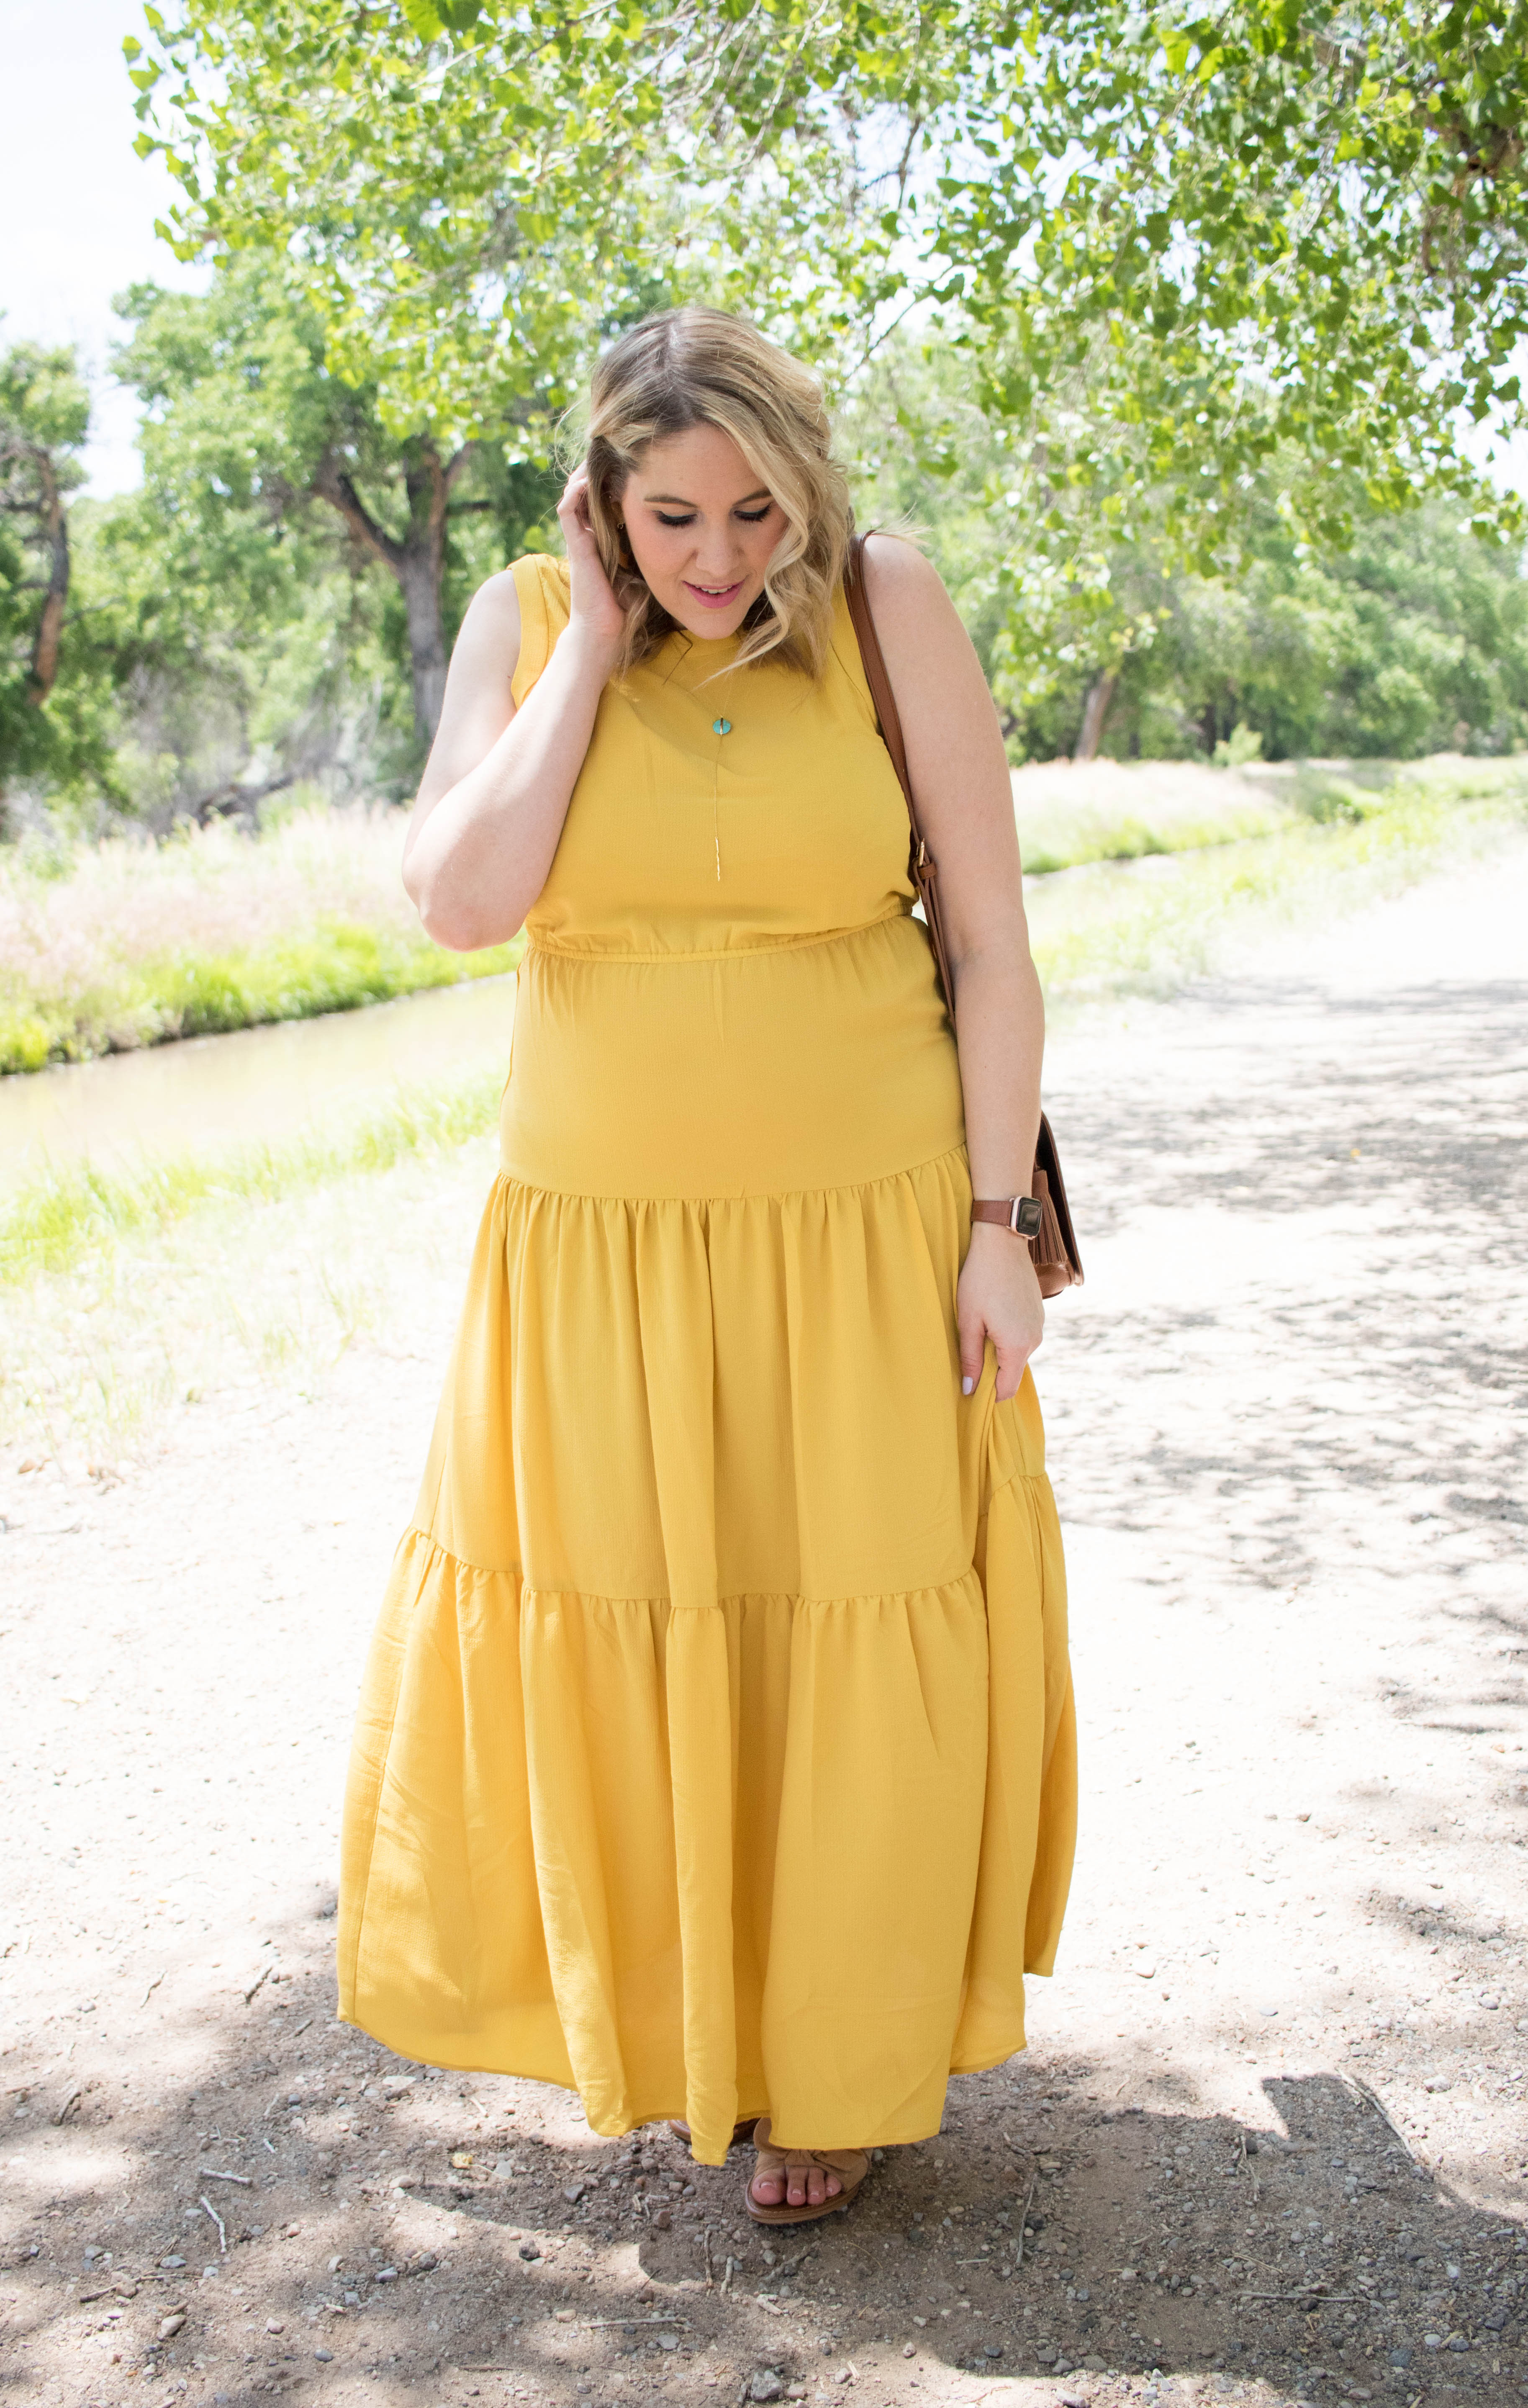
x=998 y=1297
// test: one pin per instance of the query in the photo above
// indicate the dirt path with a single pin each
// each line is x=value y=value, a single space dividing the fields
x=1269 y=2135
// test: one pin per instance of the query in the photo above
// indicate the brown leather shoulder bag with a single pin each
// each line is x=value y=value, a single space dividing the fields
x=1057 y=1261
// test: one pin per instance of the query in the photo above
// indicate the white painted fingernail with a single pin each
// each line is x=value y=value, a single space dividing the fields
x=966 y=1386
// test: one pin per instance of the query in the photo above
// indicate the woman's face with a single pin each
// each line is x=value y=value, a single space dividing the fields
x=701 y=529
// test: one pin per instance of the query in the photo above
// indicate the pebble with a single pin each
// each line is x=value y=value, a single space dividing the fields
x=274 y=2323
x=170 y=2326
x=573 y=2193
x=324 y=2356
x=767 y=2384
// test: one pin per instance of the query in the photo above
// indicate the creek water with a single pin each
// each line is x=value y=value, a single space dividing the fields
x=258 y=1083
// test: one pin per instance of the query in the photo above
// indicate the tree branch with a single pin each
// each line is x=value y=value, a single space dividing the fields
x=233 y=798
x=335 y=486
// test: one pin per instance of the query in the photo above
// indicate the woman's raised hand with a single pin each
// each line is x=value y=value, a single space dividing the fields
x=596 y=618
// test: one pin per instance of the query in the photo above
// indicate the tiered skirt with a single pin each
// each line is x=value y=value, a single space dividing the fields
x=716 y=1753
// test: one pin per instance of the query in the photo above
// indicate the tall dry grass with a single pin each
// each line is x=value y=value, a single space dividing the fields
x=129 y=944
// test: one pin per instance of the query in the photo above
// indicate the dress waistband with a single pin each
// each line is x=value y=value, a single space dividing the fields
x=766 y=1070
x=762 y=947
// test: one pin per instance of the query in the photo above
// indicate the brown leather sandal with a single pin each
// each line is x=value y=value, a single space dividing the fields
x=849 y=2165
x=740 y=2132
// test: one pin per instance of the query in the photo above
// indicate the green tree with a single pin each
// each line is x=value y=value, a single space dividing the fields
x=1177 y=248
x=1258 y=231
x=1330 y=213
x=263 y=469
x=472 y=193
x=1407 y=634
x=43 y=420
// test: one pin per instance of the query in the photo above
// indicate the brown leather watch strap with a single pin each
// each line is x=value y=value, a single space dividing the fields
x=1022 y=1214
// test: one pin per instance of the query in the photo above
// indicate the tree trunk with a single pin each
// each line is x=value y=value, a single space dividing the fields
x=1094 y=711
x=418 y=575
x=417 y=560
x=54 y=530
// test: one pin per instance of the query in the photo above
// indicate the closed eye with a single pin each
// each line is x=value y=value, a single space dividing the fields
x=749 y=518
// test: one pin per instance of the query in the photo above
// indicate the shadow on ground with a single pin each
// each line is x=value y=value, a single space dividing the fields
x=387 y=2233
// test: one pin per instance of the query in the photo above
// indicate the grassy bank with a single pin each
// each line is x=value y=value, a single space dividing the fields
x=1150 y=924
x=1142 y=925
x=129 y=1291
x=79 y=1208
x=1070 y=813
x=125 y=944
x=248 y=1290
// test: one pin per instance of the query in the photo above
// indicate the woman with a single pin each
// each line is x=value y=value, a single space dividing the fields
x=716 y=1751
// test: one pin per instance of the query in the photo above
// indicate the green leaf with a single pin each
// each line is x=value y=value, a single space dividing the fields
x=426 y=24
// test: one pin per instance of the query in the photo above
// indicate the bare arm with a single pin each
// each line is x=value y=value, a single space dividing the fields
x=498 y=781
x=964 y=794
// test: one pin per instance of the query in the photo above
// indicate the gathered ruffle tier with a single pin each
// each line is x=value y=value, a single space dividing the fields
x=716 y=1751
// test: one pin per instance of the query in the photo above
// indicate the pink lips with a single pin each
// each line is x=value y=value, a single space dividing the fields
x=721 y=601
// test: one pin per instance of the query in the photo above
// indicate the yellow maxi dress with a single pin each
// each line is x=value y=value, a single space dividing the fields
x=716 y=1753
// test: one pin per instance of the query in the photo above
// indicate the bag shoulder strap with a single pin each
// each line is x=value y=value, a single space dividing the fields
x=921 y=863
x=875 y=676
x=1056 y=1256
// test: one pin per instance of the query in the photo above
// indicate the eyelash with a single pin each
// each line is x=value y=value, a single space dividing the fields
x=749 y=518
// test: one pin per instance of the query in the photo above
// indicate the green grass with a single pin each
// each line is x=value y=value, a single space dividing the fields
x=1052 y=840
x=253 y=1293
x=1070 y=816
x=61 y=1215
x=337 y=966
x=1147 y=926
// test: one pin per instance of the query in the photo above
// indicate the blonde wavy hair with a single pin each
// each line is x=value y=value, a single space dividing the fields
x=702 y=367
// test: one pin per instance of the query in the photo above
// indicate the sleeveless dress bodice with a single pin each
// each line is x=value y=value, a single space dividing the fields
x=670 y=1026
x=716 y=1748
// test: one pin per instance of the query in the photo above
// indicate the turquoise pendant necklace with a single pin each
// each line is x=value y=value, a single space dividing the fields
x=719 y=727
